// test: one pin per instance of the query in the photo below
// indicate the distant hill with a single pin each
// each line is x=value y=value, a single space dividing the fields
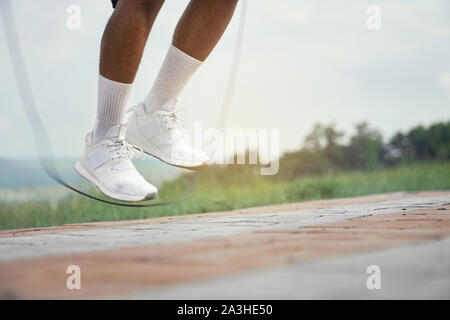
x=22 y=173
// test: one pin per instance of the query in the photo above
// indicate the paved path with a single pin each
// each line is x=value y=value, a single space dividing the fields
x=414 y=271
x=317 y=249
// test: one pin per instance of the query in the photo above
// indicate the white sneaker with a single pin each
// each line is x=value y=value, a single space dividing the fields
x=161 y=135
x=108 y=165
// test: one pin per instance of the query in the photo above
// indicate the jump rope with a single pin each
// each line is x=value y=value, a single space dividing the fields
x=42 y=141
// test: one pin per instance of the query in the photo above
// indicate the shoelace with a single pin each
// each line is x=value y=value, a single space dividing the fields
x=122 y=149
x=173 y=117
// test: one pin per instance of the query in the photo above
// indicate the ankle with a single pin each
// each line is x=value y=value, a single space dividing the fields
x=153 y=103
x=106 y=130
x=176 y=71
x=158 y=103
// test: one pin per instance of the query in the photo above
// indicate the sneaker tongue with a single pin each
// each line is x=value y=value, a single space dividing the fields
x=170 y=105
x=116 y=132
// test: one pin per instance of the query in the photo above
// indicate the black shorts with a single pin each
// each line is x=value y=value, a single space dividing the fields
x=114 y=2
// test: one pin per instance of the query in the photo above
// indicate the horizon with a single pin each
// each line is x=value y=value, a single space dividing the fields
x=324 y=65
x=154 y=161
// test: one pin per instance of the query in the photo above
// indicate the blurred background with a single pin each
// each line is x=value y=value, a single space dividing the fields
x=359 y=111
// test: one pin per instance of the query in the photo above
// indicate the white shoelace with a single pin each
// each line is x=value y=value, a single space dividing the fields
x=122 y=149
x=173 y=116
x=175 y=120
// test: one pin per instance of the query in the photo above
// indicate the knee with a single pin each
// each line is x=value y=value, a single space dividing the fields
x=222 y=4
x=217 y=7
x=145 y=8
x=150 y=6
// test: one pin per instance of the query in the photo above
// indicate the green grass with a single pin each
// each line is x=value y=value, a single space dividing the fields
x=227 y=189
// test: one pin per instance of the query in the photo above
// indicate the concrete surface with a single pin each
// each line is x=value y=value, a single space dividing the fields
x=416 y=271
x=199 y=228
x=318 y=249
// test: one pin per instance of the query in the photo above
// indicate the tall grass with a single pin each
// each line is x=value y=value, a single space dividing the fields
x=219 y=190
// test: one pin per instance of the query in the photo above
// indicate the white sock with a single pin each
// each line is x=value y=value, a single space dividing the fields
x=112 y=102
x=176 y=70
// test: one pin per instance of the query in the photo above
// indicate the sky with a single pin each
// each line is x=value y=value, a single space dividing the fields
x=303 y=62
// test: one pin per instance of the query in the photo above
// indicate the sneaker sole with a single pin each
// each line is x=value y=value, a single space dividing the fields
x=193 y=168
x=86 y=175
x=160 y=157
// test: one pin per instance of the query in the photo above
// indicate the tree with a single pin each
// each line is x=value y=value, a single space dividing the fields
x=365 y=148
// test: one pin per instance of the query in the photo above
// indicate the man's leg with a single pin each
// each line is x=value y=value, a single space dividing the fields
x=198 y=31
x=106 y=158
x=202 y=25
x=124 y=38
x=122 y=46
